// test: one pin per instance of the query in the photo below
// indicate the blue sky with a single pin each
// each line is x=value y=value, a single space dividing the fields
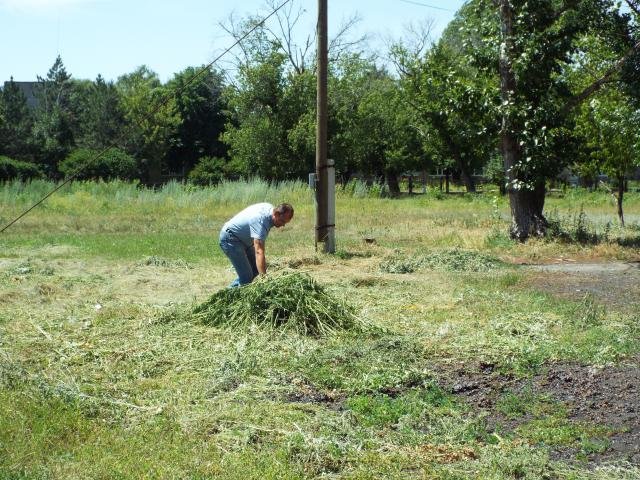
x=113 y=37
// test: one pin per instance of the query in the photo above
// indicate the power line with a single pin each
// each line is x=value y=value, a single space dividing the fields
x=428 y=6
x=149 y=116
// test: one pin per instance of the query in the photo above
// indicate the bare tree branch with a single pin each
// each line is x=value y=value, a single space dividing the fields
x=299 y=48
x=232 y=27
x=340 y=44
x=287 y=22
x=604 y=79
x=634 y=5
x=413 y=46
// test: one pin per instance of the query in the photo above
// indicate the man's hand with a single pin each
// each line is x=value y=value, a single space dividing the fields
x=261 y=262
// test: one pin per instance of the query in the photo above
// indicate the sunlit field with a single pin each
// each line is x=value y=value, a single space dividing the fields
x=105 y=372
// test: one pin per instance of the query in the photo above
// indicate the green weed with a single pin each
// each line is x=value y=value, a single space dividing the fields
x=556 y=430
x=410 y=408
x=497 y=239
x=518 y=404
x=576 y=228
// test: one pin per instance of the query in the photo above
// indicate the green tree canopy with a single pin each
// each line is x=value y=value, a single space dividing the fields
x=200 y=105
x=98 y=113
x=534 y=44
x=16 y=123
x=152 y=120
x=52 y=131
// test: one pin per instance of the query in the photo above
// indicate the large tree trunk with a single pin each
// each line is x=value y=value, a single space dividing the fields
x=526 y=203
x=468 y=181
x=526 y=212
x=394 y=185
x=619 y=199
x=344 y=178
x=154 y=173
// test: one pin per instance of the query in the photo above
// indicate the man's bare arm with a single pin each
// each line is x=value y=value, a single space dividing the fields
x=261 y=262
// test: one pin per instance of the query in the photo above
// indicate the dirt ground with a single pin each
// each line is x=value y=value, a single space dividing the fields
x=614 y=285
x=607 y=396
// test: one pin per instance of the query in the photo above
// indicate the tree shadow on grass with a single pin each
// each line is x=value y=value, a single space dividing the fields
x=629 y=242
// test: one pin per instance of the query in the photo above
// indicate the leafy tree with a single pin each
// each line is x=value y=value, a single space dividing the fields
x=98 y=113
x=299 y=107
x=262 y=114
x=392 y=144
x=200 y=106
x=494 y=172
x=152 y=120
x=610 y=127
x=453 y=98
x=16 y=122
x=212 y=170
x=271 y=127
x=351 y=144
x=536 y=43
x=52 y=131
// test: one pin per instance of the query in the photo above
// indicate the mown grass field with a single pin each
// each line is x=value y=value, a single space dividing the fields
x=105 y=374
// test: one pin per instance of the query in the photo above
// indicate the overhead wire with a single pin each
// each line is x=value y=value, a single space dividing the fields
x=427 y=5
x=147 y=117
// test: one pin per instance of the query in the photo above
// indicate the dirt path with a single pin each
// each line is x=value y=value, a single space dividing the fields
x=614 y=285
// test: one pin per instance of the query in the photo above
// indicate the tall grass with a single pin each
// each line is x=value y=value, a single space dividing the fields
x=123 y=195
x=174 y=218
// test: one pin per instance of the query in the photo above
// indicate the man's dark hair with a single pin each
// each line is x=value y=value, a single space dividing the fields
x=283 y=208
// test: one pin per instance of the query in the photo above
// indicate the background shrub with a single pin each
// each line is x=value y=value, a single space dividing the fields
x=113 y=163
x=15 y=169
x=212 y=170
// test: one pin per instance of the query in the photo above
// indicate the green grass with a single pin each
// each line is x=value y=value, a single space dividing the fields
x=105 y=374
x=116 y=246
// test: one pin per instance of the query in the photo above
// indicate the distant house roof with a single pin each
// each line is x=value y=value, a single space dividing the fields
x=28 y=89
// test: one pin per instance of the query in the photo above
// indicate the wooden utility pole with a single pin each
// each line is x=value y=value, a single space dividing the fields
x=325 y=171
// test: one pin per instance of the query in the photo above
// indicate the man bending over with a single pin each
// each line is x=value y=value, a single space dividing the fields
x=242 y=238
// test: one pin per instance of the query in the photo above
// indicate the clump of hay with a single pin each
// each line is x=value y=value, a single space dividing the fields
x=462 y=261
x=303 y=262
x=294 y=263
x=359 y=282
x=288 y=301
x=401 y=264
x=155 y=261
x=456 y=260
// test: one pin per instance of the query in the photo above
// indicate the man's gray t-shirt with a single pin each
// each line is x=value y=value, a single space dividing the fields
x=254 y=222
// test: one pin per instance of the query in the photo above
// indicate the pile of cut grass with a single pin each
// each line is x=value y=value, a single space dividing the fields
x=400 y=264
x=155 y=261
x=453 y=260
x=287 y=301
x=459 y=260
